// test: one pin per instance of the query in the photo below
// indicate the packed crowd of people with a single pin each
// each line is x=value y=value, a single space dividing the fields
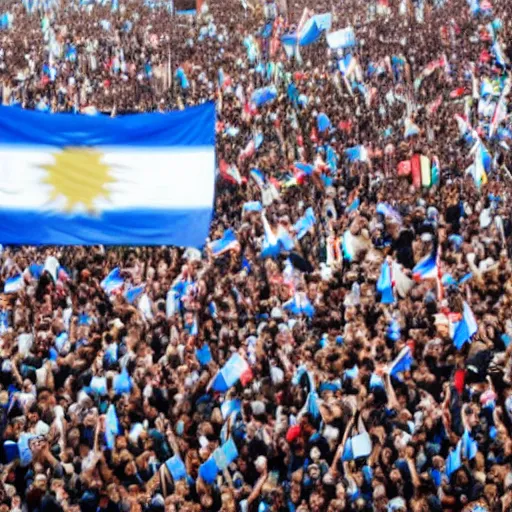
x=342 y=342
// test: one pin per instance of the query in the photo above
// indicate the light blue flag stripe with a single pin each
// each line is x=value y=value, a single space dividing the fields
x=13 y=284
x=113 y=281
x=384 y=284
x=134 y=293
x=192 y=127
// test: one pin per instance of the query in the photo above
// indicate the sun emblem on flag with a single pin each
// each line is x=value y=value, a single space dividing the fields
x=79 y=176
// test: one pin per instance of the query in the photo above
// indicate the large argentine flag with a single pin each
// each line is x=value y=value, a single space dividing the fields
x=144 y=179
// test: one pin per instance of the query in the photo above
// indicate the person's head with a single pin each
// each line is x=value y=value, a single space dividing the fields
x=261 y=464
x=41 y=481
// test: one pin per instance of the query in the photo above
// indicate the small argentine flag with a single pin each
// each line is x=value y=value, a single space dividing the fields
x=347 y=244
x=426 y=268
x=145 y=179
x=357 y=154
x=111 y=426
x=402 y=362
x=305 y=223
x=132 y=294
x=466 y=328
x=227 y=243
x=230 y=373
x=469 y=446
x=14 y=284
x=264 y=95
x=454 y=461
x=113 y=281
x=385 y=284
x=500 y=57
x=344 y=38
x=299 y=304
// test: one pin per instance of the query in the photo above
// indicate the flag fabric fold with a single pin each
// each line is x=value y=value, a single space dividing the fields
x=14 y=284
x=113 y=281
x=132 y=294
x=357 y=154
x=305 y=223
x=230 y=373
x=111 y=426
x=228 y=242
x=426 y=268
x=385 y=284
x=402 y=362
x=344 y=38
x=466 y=328
x=299 y=304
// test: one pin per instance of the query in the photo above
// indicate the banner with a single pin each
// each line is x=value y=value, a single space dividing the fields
x=143 y=179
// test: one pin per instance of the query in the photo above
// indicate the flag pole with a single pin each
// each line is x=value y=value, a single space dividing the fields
x=169 y=68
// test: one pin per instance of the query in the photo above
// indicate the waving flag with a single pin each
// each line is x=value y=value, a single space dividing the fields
x=176 y=468
x=133 y=293
x=348 y=245
x=357 y=154
x=393 y=332
x=6 y=21
x=14 y=284
x=230 y=173
x=411 y=129
x=111 y=426
x=463 y=125
x=466 y=328
x=252 y=206
x=228 y=242
x=500 y=57
x=230 y=373
x=304 y=224
x=274 y=244
x=469 y=446
x=376 y=381
x=500 y=113
x=86 y=180
x=344 y=38
x=323 y=122
x=264 y=95
x=310 y=32
x=402 y=362
x=299 y=304
x=307 y=169
x=204 y=355
x=426 y=268
x=229 y=407
x=332 y=158
x=258 y=177
x=486 y=88
x=347 y=65
x=388 y=211
x=482 y=164
x=122 y=382
x=113 y=281
x=385 y=284
x=453 y=461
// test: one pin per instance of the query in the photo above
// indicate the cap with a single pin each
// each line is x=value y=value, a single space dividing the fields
x=293 y=433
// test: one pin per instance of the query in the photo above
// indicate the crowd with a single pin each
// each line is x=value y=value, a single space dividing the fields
x=342 y=342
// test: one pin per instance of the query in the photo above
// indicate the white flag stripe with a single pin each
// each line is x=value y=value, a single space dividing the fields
x=183 y=177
